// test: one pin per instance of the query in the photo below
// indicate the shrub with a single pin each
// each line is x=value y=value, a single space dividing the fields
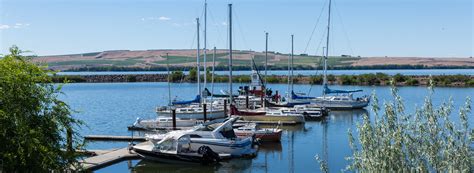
x=316 y=79
x=412 y=81
x=176 y=76
x=399 y=78
x=426 y=141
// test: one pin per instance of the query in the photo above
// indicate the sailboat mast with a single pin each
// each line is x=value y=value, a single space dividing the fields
x=169 y=85
x=205 y=43
x=213 y=68
x=198 y=63
x=230 y=53
x=292 y=56
x=266 y=57
x=325 y=80
x=289 y=76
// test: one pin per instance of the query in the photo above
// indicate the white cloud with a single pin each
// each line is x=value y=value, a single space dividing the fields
x=164 y=18
x=15 y=26
x=4 y=26
x=161 y=18
x=224 y=24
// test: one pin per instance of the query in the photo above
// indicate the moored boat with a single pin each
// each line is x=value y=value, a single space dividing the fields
x=264 y=134
x=164 y=122
x=220 y=137
x=192 y=112
x=177 y=148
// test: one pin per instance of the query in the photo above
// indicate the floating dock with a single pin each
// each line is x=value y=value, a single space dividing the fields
x=109 y=158
x=114 y=138
x=268 y=122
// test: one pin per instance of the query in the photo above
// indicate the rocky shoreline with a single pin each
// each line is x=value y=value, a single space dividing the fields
x=378 y=79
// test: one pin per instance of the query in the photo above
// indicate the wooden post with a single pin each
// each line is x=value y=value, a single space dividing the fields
x=277 y=96
x=261 y=97
x=204 y=107
x=246 y=99
x=225 y=107
x=173 y=112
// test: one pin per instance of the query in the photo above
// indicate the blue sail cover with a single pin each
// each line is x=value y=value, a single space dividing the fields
x=196 y=100
x=326 y=90
x=295 y=97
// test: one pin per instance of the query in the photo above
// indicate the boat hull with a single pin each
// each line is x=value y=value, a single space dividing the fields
x=341 y=105
x=236 y=148
x=272 y=136
x=274 y=118
x=168 y=158
x=196 y=116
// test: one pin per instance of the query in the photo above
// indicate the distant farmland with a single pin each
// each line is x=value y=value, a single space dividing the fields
x=157 y=59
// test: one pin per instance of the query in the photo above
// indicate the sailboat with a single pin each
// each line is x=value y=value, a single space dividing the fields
x=193 y=109
x=337 y=99
x=290 y=101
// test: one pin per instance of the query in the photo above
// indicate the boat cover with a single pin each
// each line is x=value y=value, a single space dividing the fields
x=326 y=90
x=295 y=97
x=196 y=100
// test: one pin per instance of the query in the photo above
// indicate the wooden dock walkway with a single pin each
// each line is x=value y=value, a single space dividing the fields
x=114 y=138
x=109 y=158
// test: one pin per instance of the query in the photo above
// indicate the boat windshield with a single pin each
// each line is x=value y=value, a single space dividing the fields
x=168 y=145
x=205 y=128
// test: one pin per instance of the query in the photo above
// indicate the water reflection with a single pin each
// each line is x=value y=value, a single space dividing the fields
x=347 y=116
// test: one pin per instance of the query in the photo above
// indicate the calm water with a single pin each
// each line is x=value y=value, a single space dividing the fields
x=108 y=108
x=302 y=72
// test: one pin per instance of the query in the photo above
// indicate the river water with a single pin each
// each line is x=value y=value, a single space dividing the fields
x=108 y=108
x=301 y=72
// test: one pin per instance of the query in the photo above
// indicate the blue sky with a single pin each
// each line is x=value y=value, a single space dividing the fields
x=441 y=28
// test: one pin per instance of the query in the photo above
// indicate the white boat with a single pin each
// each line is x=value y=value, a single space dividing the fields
x=191 y=112
x=178 y=147
x=342 y=101
x=335 y=99
x=312 y=111
x=220 y=137
x=192 y=109
x=264 y=134
x=164 y=122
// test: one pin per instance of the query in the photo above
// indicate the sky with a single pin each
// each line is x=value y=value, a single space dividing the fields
x=421 y=28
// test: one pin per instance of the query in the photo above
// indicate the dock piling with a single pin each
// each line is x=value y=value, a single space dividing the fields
x=173 y=112
x=204 y=106
x=225 y=107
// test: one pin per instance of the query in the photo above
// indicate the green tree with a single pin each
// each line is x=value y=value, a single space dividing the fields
x=33 y=121
x=176 y=76
x=192 y=75
x=399 y=78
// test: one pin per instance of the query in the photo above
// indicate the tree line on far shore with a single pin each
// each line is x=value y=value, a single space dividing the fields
x=246 y=68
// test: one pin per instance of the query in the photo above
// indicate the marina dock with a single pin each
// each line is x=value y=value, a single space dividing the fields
x=114 y=138
x=108 y=158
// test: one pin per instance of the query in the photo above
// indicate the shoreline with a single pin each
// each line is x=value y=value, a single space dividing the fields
x=378 y=79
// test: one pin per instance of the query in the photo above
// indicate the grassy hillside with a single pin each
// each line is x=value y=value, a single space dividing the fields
x=156 y=59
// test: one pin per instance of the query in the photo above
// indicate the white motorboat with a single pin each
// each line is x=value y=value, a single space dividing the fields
x=312 y=111
x=264 y=134
x=220 y=137
x=177 y=147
